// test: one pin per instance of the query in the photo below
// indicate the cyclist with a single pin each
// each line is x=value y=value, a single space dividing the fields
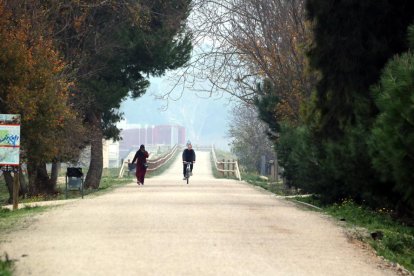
x=188 y=156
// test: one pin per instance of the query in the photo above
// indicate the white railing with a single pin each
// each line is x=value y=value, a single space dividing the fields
x=232 y=166
x=159 y=162
x=124 y=165
x=152 y=164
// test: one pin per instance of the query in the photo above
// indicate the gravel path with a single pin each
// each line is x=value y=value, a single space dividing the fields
x=209 y=227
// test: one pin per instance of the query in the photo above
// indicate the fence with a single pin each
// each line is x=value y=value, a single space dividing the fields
x=226 y=166
x=152 y=164
x=159 y=162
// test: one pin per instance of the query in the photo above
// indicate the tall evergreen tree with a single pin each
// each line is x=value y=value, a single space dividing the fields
x=353 y=40
x=392 y=141
x=116 y=46
x=266 y=103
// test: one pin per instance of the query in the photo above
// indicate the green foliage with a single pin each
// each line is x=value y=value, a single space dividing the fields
x=6 y=266
x=297 y=155
x=352 y=42
x=266 y=103
x=117 y=46
x=333 y=170
x=392 y=141
x=347 y=170
x=134 y=52
x=10 y=219
x=33 y=85
x=4 y=193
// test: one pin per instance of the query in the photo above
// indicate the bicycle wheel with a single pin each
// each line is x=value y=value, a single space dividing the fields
x=187 y=173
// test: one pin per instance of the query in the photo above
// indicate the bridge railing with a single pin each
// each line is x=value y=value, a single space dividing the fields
x=159 y=162
x=152 y=164
x=232 y=166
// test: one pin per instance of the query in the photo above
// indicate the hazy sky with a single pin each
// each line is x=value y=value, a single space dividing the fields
x=205 y=118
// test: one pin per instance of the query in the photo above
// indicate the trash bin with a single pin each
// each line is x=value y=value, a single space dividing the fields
x=74 y=180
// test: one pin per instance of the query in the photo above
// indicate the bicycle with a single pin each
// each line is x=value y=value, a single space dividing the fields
x=187 y=170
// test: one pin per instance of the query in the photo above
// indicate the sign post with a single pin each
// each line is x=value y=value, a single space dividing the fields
x=16 y=188
x=10 y=149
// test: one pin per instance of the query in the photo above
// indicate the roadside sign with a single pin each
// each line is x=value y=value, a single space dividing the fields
x=9 y=139
x=10 y=150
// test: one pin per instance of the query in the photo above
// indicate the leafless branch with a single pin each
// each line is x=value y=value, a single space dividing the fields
x=238 y=43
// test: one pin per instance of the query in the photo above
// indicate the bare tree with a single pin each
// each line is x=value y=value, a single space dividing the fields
x=238 y=43
x=249 y=139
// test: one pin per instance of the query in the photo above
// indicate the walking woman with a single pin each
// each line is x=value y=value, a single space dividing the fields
x=141 y=158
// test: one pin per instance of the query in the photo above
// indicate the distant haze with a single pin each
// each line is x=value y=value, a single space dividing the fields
x=205 y=119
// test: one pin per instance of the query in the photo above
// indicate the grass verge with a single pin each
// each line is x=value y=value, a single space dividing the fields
x=109 y=181
x=6 y=266
x=11 y=219
x=391 y=239
x=107 y=184
x=272 y=186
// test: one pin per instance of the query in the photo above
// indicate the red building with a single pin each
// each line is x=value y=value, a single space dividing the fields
x=152 y=135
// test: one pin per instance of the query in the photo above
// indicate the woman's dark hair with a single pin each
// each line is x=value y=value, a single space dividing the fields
x=142 y=147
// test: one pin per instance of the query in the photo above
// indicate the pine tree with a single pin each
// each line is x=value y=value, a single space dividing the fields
x=267 y=103
x=352 y=42
x=392 y=142
x=116 y=46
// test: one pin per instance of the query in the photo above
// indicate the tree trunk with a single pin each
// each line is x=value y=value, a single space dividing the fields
x=93 y=178
x=23 y=183
x=8 y=178
x=43 y=182
x=54 y=174
x=39 y=180
x=31 y=172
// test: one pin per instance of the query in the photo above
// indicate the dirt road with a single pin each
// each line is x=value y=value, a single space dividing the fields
x=209 y=227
